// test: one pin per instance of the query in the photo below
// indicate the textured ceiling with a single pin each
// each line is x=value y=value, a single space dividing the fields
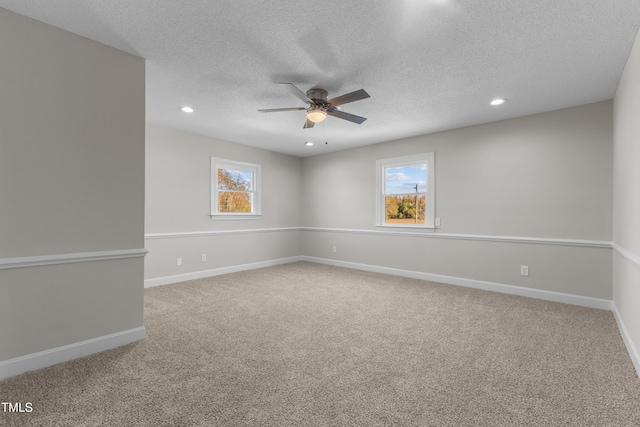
x=429 y=65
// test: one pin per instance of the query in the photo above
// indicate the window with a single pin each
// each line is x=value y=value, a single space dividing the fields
x=405 y=191
x=235 y=189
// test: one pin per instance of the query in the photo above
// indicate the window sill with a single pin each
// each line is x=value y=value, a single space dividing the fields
x=407 y=228
x=234 y=217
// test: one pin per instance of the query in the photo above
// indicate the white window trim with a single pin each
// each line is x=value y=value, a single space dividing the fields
x=256 y=169
x=427 y=158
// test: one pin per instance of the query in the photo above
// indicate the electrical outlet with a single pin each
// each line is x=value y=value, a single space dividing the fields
x=179 y=261
x=437 y=222
x=524 y=270
x=204 y=258
x=333 y=249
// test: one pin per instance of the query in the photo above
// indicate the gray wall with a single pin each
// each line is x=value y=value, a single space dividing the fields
x=71 y=182
x=626 y=279
x=178 y=202
x=533 y=191
x=546 y=176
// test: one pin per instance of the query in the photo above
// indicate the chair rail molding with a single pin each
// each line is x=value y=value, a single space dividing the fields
x=40 y=260
x=208 y=233
x=478 y=237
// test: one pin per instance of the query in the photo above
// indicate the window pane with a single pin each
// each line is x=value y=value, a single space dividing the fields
x=404 y=210
x=403 y=179
x=234 y=202
x=234 y=180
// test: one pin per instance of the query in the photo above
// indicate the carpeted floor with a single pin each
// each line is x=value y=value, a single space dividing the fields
x=306 y=344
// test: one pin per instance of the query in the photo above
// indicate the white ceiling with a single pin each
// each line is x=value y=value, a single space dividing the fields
x=429 y=65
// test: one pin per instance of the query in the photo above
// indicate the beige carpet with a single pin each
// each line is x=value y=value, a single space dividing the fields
x=312 y=345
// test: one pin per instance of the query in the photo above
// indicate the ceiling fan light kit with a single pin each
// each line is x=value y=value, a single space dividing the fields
x=316 y=115
x=319 y=106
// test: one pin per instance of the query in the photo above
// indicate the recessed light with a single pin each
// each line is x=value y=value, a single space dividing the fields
x=308 y=143
x=498 y=101
x=187 y=109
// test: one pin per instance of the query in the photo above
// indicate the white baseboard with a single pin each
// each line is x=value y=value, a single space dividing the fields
x=166 y=280
x=31 y=362
x=631 y=349
x=470 y=283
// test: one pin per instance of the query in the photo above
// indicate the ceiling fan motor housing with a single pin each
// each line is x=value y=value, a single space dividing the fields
x=317 y=94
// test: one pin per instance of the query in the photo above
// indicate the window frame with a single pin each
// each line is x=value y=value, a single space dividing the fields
x=256 y=194
x=414 y=159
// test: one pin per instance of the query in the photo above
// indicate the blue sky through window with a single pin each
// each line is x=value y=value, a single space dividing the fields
x=403 y=179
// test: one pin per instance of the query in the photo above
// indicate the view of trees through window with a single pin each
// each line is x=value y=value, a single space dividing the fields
x=234 y=191
x=404 y=210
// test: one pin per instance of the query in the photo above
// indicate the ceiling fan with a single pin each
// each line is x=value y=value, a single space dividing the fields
x=319 y=106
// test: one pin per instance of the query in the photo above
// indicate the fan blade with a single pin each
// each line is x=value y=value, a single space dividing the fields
x=308 y=124
x=297 y=92
x=273 y=110
x=349 y=97
x=346 y=116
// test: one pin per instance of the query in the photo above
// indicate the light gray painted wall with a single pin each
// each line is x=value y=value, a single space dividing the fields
x=225 y=250
x=72 y=118
x=178 y=201
x=581 y=271
x=626 y=281
x=546 y=175
x=44 y=308
x=71 y=181
x=542 y=176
